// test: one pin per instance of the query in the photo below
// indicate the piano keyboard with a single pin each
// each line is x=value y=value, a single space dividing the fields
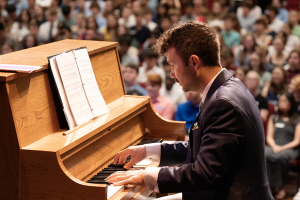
x=100 y=177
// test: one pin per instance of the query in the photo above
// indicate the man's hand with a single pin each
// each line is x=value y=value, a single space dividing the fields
x=138 y=153
x=134 y=177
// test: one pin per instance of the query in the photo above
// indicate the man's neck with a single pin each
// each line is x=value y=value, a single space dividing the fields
x=208 y=73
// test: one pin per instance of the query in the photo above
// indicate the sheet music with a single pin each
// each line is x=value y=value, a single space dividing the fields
x=90 y=85
x=62 y=93
x=71 y=80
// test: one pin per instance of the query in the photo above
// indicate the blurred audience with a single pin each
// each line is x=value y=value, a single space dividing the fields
x=282 y=137
x=161 y=104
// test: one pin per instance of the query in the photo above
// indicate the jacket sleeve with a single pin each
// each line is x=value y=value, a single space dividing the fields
x=173 y=154
x=221 y=137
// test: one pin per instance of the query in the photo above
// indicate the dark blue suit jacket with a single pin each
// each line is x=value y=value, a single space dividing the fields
x=224 y=158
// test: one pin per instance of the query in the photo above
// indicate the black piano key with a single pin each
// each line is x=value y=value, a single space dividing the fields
x=98 y=181
x=114 y=169
x=100 y=176
x=105 y=172
x=116 y=165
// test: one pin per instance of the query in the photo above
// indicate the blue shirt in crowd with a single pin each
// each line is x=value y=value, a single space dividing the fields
x=138 y=88
x=187 y=112
x=230 y=39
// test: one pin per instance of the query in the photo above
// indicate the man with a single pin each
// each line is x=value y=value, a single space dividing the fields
x=49 y=29
x=246 y=20
x=224 y=158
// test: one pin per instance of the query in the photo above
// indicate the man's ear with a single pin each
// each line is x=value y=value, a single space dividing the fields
x=195 y=62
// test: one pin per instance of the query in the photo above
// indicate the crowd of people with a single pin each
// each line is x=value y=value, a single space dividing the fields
x=260 y=45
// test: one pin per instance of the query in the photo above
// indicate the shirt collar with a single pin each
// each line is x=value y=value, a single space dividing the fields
x=208 y=86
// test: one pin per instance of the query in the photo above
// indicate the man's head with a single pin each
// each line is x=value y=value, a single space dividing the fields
x=130 y=73
x=228 y=22
x=190 y=47
x=153 y=85
x=246 y=8
x=95 y=8
x=139 y=17
x=252 y=80
x=52 y=14
x=169 y=82
x=273 y=11
x=151 y=58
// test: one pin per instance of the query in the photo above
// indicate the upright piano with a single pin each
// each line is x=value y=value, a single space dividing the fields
x=38 y=159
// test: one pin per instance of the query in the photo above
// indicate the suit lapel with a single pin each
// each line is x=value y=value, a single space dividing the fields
x=218 y=82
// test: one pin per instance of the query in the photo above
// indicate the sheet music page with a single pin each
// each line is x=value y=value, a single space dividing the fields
x=90 y=85
x=71 y=80
x=61 y=92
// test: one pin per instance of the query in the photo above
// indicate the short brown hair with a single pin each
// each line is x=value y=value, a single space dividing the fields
x=155 y=79
x=191 y=38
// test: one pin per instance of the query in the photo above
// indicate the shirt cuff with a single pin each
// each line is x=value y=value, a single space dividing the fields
x=153 y=152
x=150 y=175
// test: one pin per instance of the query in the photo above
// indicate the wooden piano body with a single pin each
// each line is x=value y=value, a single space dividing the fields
x=36 y=160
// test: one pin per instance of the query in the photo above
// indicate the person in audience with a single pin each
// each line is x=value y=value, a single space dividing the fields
x=49 y=29
x=230 y=37
x=165 y=24
x=216 y=18
x=39 y=14
x=20 y=28
x=150 y=67
x=29 y=41
x=67 y=20
x=292 y=41
x=293 y=19
x=245 y=19
x=3 y=11
x=148 y=16
x=7 y=48
x=240 y=73
x=275 y=23
x=278 y=58
x=256 y=63
x=110 y=32
x=56 y=5
x=283 y=14
x=189 y=110
x=34 y=28
x=101 y=21
x=126 y=57
x=20 y=5
x=173 y=91
x=188 y=16
x=242 y=53
x=227 y=61
x=139 y=31
x=130 y=73
x=294 y=87
x=78 y=30
x=127 y=19
x=254 y=12
x=293 y=66
x=161 y=104
x=277 y=86
x=283 y=136
x=260 y=33
x=174 y=15
x=109 y=8
x=252 y=83
x=12 y=17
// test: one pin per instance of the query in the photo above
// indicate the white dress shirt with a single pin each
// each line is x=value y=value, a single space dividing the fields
x=153 y=151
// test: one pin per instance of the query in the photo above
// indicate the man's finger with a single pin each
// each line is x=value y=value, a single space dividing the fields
x=115 y=174
x=119 y=178
x=129 y=164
